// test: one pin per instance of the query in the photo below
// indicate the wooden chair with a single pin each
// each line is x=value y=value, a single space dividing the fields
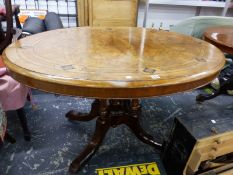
x=5 y=40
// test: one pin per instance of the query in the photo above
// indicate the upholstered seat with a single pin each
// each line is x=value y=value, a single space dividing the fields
x=12 y=94
x=195 y=26
x=35 y=25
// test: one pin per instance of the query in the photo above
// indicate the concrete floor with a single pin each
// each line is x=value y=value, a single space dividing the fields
x=56 y=141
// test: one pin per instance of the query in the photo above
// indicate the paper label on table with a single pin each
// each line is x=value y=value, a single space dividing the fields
x=136 y=169
x=155 y=77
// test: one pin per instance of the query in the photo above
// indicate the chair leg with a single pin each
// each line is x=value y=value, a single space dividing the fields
x=23 y=121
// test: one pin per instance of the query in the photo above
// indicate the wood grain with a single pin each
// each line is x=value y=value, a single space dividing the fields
x=209 y=149
x=220 y=36
x=113 y=12
x=83 y=15
x=107 y=13
x=223 y=170
x=121 y=62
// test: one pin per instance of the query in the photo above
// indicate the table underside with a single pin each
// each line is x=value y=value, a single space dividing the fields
x=109 y=113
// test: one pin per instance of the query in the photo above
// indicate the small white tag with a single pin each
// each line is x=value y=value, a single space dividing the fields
x=128 y=77
x=213 y=121
x=155 y=76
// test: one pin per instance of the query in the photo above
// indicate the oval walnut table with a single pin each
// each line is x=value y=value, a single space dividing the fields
x=221 y=37
x=117 y=67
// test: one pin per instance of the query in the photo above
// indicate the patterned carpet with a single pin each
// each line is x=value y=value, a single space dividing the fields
x=56 y=141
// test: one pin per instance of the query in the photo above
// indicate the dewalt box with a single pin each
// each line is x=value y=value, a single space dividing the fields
x=136 y=169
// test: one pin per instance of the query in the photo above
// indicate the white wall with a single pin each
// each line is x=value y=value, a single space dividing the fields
x=170 y=15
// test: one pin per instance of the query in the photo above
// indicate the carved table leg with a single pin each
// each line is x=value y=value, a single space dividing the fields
x=132 y=121
x=73 y=115
x=102 y=126
x=110 y=113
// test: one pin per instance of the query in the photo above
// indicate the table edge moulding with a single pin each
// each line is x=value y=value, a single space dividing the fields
x=107 y=88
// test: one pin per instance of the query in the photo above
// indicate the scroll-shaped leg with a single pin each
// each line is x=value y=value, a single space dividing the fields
x=23 y=121
x=203 y=97
x=224 y=86
x=102 y=126
x=73 y=115
x=133 y=123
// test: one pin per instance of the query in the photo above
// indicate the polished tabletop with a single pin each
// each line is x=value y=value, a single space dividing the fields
x=105 y=62
x=220 y=36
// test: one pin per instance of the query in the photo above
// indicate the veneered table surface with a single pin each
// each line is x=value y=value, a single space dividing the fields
x=221 y=36
x=121 y=62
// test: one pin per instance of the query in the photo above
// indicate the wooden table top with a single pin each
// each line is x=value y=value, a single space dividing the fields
x=220 y=36
x=109 y=62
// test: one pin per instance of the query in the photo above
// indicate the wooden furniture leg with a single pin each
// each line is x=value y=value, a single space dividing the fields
x=9 y=138
x=23 y=121
x=73 y=115
x=132 y=121
x=204 y=97
x=102 y=126
x=110 y=113
x=225 y=81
